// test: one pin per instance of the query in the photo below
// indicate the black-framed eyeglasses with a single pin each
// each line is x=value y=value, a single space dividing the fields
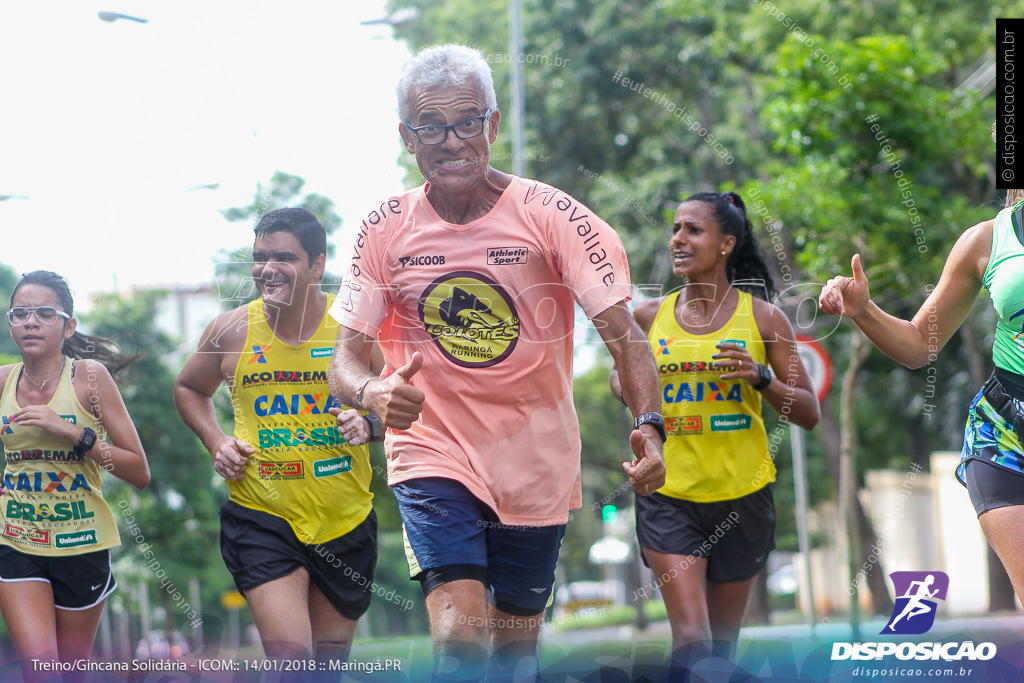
x=47 y=315
x=436 y=133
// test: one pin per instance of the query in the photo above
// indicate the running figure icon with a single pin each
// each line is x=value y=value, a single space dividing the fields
x=917 y=595
x=915 y=604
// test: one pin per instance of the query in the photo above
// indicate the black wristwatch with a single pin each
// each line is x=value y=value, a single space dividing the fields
x=85 y=442
x=655 y=420
x=766 y=377
x=375 y=426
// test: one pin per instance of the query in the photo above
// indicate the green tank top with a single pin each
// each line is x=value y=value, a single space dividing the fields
x=1004 y=280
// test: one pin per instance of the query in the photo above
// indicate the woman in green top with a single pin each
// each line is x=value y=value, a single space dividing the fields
x=989 y=255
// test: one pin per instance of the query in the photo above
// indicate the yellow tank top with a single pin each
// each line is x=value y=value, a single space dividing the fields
x=717 y=448
x=303 y=471
x=54 y=504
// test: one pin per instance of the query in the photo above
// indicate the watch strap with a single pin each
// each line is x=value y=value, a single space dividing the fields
x=766 y=377
x=375 y=426
x=655 y=420
x=85 y=442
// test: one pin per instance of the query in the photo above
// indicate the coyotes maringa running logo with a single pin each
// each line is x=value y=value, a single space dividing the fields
x=471 y=319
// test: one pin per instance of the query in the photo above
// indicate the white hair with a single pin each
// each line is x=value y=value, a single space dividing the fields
x=443 y=67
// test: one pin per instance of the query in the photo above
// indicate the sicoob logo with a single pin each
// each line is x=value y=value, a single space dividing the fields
x=916 y=595
x=421 y=261
x=471 y=318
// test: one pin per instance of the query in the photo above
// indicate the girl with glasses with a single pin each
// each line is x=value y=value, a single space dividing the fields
x=63 y=420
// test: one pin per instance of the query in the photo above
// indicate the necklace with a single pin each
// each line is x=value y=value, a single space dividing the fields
x=43 y=385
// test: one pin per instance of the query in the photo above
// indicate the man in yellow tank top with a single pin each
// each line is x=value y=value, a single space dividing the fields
x=298 y=533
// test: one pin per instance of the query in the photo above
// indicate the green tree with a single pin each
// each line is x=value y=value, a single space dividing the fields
x=176 y=517
x=912 y=147
x=8 y=280
x=787 y=90
x=604 y=432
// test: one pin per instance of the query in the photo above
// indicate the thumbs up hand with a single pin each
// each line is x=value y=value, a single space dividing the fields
x=846 y=295
x=394 y=399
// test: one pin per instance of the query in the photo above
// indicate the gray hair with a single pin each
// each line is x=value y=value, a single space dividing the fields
x=444 y=67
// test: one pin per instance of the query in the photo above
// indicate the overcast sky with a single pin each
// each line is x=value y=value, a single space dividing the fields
x=105 y=127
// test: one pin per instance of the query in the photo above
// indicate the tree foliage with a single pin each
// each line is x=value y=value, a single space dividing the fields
x=177 y=515
x=8 y=281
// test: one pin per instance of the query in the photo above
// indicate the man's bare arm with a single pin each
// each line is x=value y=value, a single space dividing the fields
x=638 y=378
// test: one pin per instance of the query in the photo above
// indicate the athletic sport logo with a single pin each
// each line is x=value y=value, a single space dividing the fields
x=916 y=596
x=259 y=354
x=6 y=429
x=663 y=346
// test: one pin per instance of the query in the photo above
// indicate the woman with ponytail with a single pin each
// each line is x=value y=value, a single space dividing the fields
x=63 y=421
x=707 y=533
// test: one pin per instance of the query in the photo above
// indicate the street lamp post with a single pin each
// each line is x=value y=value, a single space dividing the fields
x=515 y=39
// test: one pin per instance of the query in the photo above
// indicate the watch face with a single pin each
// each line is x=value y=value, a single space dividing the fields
x=86 y=441
x=653 y=419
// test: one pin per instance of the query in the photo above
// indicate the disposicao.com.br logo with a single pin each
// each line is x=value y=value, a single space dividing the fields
x=917 y=596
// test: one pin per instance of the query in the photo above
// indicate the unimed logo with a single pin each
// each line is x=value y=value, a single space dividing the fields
x=332 y=466
x=75 y=539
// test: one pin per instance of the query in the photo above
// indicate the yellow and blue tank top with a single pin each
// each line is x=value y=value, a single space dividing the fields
x=303 y=471
x=54 y=504
x=717 y=448
x=1004 y=280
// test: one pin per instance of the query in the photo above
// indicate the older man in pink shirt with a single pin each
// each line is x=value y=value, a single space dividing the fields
x=468 y=283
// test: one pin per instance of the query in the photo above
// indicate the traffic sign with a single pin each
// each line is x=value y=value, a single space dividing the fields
x=818 y=364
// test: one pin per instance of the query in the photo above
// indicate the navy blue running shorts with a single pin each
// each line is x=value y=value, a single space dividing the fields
x=450 y=535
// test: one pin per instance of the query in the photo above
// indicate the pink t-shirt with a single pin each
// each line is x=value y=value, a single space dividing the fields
x=489 y=304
